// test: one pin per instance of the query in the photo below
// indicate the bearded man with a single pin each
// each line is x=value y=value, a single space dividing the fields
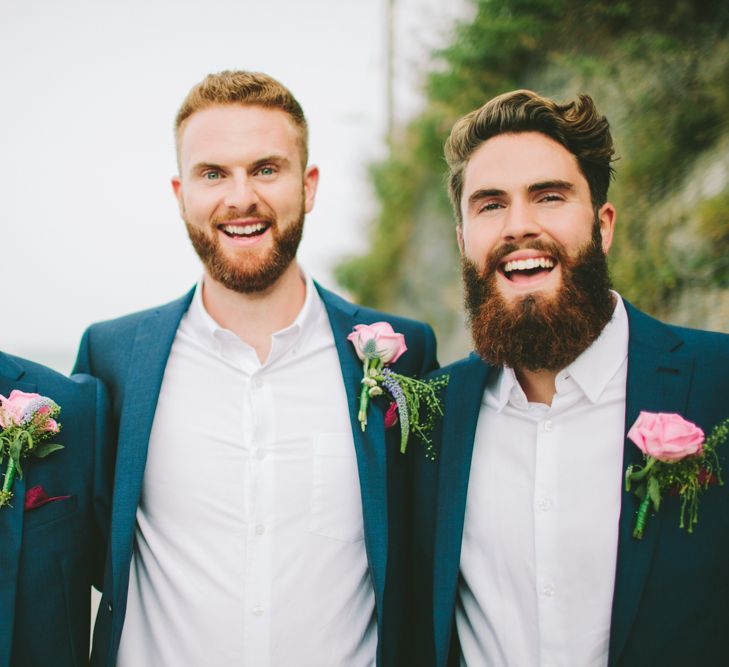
x=254 y=522
x=529 y=551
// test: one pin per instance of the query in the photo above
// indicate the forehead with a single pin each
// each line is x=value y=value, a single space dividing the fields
x=225 y=131
x=514 y=161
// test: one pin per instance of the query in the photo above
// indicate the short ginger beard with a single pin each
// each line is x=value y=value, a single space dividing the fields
x=539 y=332
x=250 y=275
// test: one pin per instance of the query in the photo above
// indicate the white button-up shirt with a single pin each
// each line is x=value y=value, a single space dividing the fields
x=541 y=527
x=249 y=544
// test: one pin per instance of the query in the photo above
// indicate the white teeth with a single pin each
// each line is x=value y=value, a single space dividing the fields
x=237 y=230
x=531 y=263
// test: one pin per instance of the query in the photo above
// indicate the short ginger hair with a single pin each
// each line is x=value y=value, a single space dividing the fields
x=245 y=88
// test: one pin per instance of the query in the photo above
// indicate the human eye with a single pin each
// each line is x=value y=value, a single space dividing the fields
x=211 y=175
x=551 y=196
x=266 y=170
x=490 y=206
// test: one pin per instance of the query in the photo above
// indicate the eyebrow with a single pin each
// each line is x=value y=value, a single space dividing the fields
x=478 y=195
x=277 y=159
x=551 y=185
x=202 y=166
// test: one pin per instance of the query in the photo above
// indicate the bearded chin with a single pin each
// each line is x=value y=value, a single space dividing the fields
x=253 y=274
x=539 y=332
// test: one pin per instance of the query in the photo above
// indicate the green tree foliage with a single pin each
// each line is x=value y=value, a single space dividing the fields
x=658 y=69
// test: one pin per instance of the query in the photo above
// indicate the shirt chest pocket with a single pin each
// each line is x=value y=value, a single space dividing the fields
x=336 y=502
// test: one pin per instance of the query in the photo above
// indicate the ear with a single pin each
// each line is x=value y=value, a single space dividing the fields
x=311 y=181
x=177 y=189
x=459 y=236
x=607 y=215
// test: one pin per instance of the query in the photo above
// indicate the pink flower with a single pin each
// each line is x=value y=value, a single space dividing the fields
x=378 y=341
x=21 y=407
x=14 y=406
x=391 y=415
x=667 y=437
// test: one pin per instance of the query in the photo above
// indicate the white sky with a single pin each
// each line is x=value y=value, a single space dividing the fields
x=90 y=228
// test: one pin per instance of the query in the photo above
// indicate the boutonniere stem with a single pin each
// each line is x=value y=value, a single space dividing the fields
x=676 y=457
x=27 y=420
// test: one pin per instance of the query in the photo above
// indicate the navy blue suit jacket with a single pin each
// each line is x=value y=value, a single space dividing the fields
x=50 y=555
x=130 y=355
x=671 y=596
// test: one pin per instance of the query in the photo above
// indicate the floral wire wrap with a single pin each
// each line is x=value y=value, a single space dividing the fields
x=689 y=477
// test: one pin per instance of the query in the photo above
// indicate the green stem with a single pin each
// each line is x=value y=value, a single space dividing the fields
x=364 y=397
x=641 y=517
x=6 y=494
x=637 y=476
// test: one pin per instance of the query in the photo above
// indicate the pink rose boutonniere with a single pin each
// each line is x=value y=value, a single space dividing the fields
x=676 y=456
x=416 y=402
x=26 y=420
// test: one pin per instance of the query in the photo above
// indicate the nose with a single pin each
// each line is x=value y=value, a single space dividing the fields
x=520 y=222
x=240 y=193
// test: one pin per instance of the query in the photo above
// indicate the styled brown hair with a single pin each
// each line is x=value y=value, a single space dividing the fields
x=576 y=125
x=246 y=88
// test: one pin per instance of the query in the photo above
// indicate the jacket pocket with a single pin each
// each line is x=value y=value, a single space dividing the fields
x=50 y=512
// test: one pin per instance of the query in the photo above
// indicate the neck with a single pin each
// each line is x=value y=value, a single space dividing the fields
x=254 y=318
x=537 y=385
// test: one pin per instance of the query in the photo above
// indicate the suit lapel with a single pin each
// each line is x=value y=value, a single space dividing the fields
x=369 y=445
x=153 y=341
x=11 y=523
x=462 y=406
x=659 y=379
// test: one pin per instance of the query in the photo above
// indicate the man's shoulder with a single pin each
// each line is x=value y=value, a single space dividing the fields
x=651 y=331
x=366 y=315
x=48 y=381
x=467 y=365
x=125 y=325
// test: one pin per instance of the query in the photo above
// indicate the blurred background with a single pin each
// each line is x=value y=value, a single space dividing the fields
x=90 y=90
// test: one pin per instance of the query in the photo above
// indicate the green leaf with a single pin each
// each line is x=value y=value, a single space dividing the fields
x=15 y=449
x=46 y=448
x=654 y=491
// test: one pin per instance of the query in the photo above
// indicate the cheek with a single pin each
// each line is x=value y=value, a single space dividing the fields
x=478 y=244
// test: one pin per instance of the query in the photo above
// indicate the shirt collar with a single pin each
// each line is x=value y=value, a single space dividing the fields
x=598 y=364
x=214 y=336
x=591 y=371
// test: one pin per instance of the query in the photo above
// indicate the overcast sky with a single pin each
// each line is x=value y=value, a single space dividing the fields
x=89 y=93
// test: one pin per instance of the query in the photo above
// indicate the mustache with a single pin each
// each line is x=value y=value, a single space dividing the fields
x=496 y=256
x=237 y=214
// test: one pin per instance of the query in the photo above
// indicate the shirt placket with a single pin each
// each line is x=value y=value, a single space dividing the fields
x=546 y=537
x=261 y=478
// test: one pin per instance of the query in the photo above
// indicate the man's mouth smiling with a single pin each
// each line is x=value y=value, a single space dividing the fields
x=239 y=230
x=527 y=270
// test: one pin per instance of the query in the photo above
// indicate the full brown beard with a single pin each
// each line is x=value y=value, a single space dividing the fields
x=248 y=275
x=538 y=332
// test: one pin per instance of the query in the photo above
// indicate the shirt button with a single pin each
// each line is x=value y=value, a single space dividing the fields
x=258 y=610
x=260 y=454
x=109 y=607
x=260 y=529
x=545 y=504
x=548 y=426
x=259 y=382
x=548 y=590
